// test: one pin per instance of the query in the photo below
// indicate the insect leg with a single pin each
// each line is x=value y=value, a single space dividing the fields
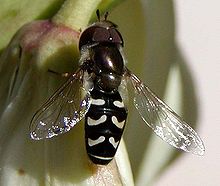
x=66 y=74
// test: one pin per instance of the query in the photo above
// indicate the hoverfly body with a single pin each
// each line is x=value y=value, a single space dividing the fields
x=92 y=92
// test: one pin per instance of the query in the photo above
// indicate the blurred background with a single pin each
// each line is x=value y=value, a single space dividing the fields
x=198 y=36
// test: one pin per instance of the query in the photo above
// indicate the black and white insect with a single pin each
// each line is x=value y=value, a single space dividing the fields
x=97 y=92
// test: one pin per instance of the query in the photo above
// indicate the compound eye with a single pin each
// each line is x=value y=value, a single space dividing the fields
x=116 y=36
x=101 y=35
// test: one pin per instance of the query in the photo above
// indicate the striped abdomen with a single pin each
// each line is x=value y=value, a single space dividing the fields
x=104 y=125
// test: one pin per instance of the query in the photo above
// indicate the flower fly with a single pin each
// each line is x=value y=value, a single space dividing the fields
x=94 y=92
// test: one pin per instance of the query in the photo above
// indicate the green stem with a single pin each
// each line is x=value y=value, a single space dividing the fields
x=76 y=13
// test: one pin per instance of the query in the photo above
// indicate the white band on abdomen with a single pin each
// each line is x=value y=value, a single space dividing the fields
x=98 y=101
x=112 y=141
x=92 y=122
x=95 y=142
x=117 y=123
x=101 y=157
x=118 y=104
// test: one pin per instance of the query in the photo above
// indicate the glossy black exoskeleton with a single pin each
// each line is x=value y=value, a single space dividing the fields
x=96 y=92
x=106 y=117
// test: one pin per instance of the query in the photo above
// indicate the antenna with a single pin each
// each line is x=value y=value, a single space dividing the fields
x=98 y=14
x=106 y=15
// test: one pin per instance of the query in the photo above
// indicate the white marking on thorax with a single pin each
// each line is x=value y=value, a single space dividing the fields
x=95 y=142
x=98 y=101
x=112 y=141
x=117 y=123
x=92 y=122
x=118 y=104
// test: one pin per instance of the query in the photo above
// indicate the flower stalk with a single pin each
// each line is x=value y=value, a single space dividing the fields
x=76 y=15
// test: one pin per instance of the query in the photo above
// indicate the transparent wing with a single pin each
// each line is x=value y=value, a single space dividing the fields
x=163 y=120
x=123 y=91
x=63 y=110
